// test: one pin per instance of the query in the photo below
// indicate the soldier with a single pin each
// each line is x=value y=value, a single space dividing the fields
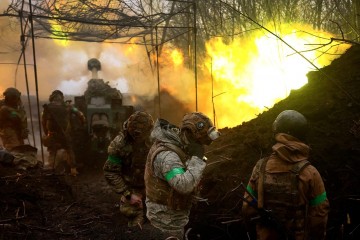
x=124 y=167
x=174 y=167
x=13 y=120
x=285 y=190
x=56 y=124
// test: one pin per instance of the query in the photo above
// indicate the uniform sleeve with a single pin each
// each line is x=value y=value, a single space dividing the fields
x=247 y=210
x=79 y=114
x=184 y=179
x=2 y=115
x=113 y=165
x=318 y=206
x=8 y=114
x=24 y=125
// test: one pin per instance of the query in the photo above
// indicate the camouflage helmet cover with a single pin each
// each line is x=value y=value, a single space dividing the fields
x=200 y=126
x=139 y=124
x=11 y=92
x=291 y=122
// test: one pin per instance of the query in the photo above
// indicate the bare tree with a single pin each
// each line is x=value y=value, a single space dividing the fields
x=157 y=22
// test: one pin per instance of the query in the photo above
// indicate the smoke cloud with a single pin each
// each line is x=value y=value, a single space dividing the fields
x=63 y=65
x=236 y=81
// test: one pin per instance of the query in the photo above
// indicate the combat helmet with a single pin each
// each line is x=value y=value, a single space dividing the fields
x=56 y=94
x=139 y=125
x=11 y=92
x=291 y=122
x=200 y=126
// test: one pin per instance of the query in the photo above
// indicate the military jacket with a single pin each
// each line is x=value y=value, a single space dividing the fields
x=125 y=165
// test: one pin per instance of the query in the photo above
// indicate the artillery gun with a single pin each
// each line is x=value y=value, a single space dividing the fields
x=105 y=114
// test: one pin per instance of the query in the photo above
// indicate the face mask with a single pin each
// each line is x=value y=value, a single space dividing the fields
x=213 y=133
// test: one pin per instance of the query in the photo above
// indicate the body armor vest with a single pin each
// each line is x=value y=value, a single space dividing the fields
x=158 y=190
x=280 y=194
x=10 y=117
x=58 y=119
x=133 y=167
x=57 y=122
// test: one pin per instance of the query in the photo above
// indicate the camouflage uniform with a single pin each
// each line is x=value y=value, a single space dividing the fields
x=57 y=128
x=182 y=176
x=13 y=124
x=124 y=167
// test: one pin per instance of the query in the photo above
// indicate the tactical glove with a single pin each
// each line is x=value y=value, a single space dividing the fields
x=126 y=196
x=196 y=149
x=131 y=198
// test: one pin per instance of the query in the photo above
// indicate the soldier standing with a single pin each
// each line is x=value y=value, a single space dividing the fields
x=124 y=167
x=174 y=167
x=13 y=120
x=57 y=128
x=286 y=184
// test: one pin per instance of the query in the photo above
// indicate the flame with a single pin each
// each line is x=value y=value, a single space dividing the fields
x=177 y=57
x=175 y=77
x=248 y=75
x=170 y=57
x=131 y=48
x=251 y=74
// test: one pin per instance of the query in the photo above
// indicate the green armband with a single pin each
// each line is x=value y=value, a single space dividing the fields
x=169 y=175
x=318 y=199
x=114 y=159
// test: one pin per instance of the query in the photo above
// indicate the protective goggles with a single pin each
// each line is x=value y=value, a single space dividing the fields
x=213 y=133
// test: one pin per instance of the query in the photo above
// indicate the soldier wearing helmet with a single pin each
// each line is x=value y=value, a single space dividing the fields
x=56 y=122
x=13 y=119
x=56 y=96
x=288 y=185
x=124 y=167
x=174 y=167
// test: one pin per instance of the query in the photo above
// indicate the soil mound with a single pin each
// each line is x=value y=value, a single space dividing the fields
x=330 y=102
